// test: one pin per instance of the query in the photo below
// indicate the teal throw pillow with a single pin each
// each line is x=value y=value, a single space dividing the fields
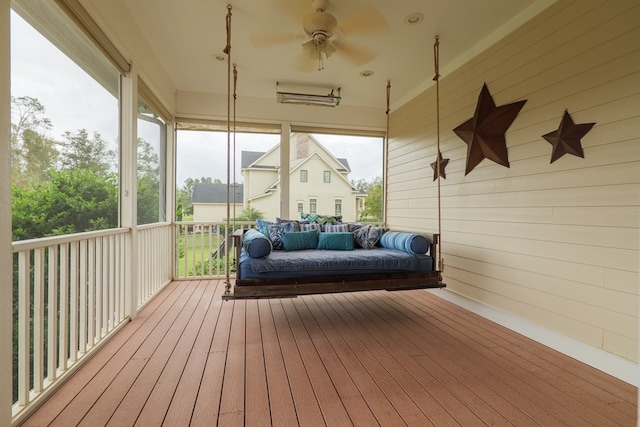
x=336 y=241
x=296 y=241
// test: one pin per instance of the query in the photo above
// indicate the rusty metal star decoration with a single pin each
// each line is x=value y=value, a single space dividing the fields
x=443 y=164
x=566 y=139
x=484 y=132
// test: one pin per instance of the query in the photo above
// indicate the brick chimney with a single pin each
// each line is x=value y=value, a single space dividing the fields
x=302 y=145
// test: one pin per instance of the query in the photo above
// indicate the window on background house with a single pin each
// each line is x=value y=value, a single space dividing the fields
x=326 y=177
x=65 y=126
x=304 y=175
x=338 y=207
x=152 y=138
x=313 y=206
x=300 y=207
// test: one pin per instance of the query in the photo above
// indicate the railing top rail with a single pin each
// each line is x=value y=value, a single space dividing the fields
x=153 y=225
x=25 y=245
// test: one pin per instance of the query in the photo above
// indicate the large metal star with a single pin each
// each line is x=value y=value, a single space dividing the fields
x=439 y=171
x=566 y=139
x=484 y=132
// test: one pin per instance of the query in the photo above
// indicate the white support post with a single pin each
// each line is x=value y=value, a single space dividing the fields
x=170 y=193
x=6 y=270
x=129 y=185
x=285 y=148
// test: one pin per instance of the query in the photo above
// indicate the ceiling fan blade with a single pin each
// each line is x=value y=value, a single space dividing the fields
x=266 y=40
x=354 y=54
x=358 y=19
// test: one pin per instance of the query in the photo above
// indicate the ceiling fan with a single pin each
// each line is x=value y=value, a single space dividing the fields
x=325 y=36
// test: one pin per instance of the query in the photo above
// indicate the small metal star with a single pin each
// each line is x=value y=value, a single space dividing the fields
x=443 y=164
x=566 y=139
x=484 y=132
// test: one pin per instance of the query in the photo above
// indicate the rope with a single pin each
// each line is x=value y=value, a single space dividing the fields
x=227 y=50
x=235 y=97
x=436 y=61
x=386 y=153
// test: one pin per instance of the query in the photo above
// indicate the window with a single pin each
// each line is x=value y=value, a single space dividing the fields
x=338 y=207
x=326 y=177
x=152 y=134
x=304 y=175
x=313 y=206
x=65 y=125
x=300 y=207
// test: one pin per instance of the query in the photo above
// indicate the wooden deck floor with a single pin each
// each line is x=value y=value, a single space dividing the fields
x=371 y=358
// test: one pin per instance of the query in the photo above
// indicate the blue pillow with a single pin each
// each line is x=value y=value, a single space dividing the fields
x=336 y=241
x=337 y=228
x=296 y=241
x=256 y=244
x=277 y=230
x=408 y=242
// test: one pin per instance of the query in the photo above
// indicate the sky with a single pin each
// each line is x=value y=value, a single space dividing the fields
x=73 y=101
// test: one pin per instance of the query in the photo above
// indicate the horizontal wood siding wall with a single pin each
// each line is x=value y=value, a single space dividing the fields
x=555 y=243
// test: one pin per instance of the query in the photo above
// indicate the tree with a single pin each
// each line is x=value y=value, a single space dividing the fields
x=148 y=183
x=373 y=203
x=72 y=201
x=33 y=153
x=78 y=151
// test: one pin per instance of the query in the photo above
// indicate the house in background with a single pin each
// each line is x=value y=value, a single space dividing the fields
x=319 y=181
x=209 y=202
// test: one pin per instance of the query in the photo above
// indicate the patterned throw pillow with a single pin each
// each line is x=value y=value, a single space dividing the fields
x=311 y=227
x=368 y=236
x=338 y=228
x=297 y=241
x=277 y=230
x=320 y=219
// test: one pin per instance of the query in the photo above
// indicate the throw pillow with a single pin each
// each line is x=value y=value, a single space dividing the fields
x=311 y=227
x=338 y=228
x=277 y=230
x=368 y=236
x=296 y=241
x=336 y=241
x=256 y=244
x=262 y=225
x=403 y=241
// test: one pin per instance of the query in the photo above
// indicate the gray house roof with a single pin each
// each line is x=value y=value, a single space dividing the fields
x=215 y=193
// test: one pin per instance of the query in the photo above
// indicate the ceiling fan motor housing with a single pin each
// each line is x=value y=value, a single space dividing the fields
x=319 y=23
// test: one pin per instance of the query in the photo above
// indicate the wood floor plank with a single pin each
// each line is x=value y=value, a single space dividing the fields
x=386 y=329
x=256 y=389
x=362 y=375
x=563 y=392
x=207 y=405
x=283 y=411
x=359 y=412
x=368 y=358
x=307 y=408
x=181 y=407
x=232 y=401
x=333 y=411
x=76 y=384
x=134 y=388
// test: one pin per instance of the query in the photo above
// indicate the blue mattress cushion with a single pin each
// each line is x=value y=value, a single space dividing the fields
x=256 y=244
x=300 y=240
x=403 y=241
x=336 y=241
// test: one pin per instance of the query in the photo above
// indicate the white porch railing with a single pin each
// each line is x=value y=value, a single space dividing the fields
x=70 y=294
x=155 y=252
x=202 y=248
